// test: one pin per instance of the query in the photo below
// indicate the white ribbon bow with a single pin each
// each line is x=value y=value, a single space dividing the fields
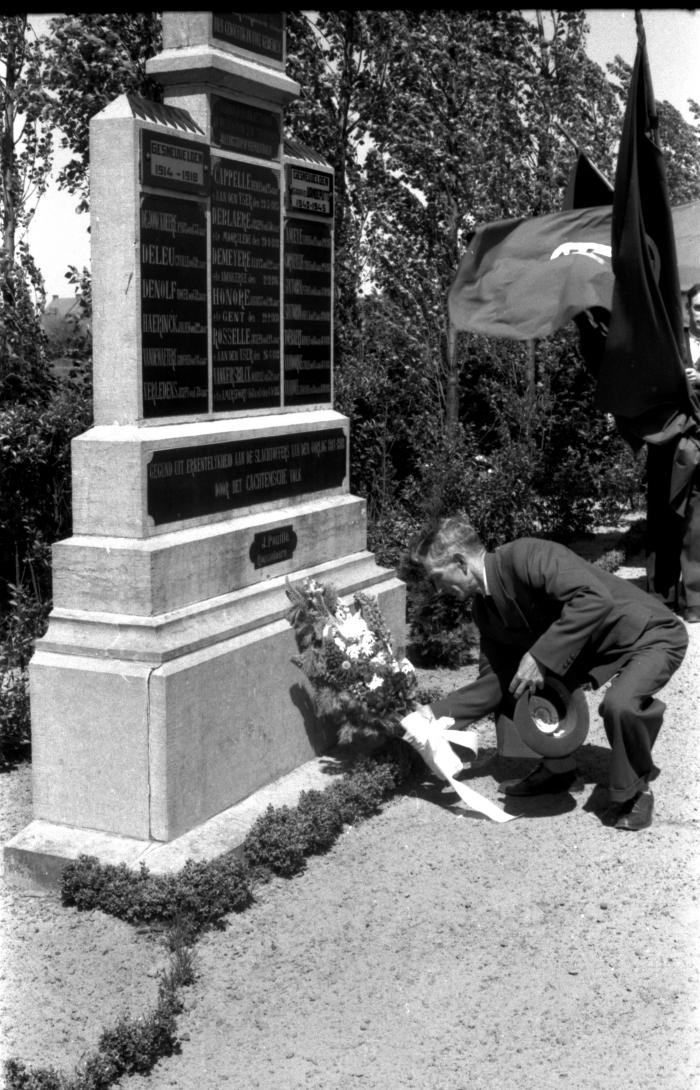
x=431 y=738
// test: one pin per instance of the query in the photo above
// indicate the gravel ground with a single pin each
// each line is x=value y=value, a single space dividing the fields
x=428 y=948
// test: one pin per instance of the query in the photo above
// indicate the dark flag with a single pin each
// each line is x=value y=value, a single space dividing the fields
x=643 y=372
x=526 y=278
x=587 y=187
x=642 y=378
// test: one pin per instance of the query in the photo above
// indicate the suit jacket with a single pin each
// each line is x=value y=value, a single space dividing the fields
x=577 y=621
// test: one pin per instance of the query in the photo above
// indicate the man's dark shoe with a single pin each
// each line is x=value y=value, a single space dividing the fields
x=692 y=615
x=541 y=782
x=636 y=813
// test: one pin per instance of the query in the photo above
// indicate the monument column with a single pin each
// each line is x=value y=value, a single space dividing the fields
x=163 y=691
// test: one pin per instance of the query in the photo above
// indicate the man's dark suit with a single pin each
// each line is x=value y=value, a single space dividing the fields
x=581 y=624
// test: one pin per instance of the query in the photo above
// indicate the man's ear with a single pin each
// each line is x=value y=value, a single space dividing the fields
x=461 y=561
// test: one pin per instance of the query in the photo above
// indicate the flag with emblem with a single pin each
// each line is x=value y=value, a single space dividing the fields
x=526 y=278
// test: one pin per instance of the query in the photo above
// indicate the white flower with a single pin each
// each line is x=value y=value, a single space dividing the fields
x=354 y=628
x=375 y=682
x=352 y=651
x=406 y=666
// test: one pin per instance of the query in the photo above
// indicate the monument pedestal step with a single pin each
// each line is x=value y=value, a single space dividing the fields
x=37 y=856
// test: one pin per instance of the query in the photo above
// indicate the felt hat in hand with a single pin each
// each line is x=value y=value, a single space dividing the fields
x=552 y=721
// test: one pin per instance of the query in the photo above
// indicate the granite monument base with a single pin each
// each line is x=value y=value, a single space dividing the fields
x=144 y=746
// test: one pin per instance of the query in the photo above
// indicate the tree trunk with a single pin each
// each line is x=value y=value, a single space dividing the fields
x=13 y=61
x=452 y=385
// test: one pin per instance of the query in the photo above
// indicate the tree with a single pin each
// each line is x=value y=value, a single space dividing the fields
x=327 y=52
x=88 y=60
x=678 y=139
x=26 y=140
x=25 y=165
x=471 y=133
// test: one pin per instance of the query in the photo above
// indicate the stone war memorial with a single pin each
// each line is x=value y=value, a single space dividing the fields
x=164 y=691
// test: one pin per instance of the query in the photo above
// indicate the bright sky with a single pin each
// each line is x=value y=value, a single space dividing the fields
x=58 y=237
x=673 y=48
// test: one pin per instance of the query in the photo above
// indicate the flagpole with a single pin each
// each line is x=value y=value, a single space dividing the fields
x=641 y=32
x=581 y=151
x=651 y=105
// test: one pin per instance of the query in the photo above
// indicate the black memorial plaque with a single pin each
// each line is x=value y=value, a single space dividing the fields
x=309 y=191
x=273 y=546
x=167 y=162
x=189 y=482
x=262 y=33
x=307 y=312
x=173 y=259
x=244 y=129
x=245 y=286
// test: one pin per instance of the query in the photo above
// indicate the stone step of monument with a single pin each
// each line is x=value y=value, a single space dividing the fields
x=37 y=856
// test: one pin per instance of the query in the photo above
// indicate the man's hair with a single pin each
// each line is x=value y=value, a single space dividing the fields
x=449 y=537
x=692 y=292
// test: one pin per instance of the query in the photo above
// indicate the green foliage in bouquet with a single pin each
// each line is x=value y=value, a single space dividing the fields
x=346 y=653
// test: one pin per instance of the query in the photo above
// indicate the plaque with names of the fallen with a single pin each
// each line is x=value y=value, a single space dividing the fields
x=191 y=482
x=262 y=33
x=168 y=162
x=273 y=546
x=309 y=191
x=174 y=349
x=245 y=130
x=245 y=286
x=308 y=305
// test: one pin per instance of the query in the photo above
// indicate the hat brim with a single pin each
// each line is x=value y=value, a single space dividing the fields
x=553 y=721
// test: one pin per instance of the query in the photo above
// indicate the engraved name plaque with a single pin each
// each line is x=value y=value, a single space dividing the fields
x=173 y=259
x=245 y=286
x=308 y=305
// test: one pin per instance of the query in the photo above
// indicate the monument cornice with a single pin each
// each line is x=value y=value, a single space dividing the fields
x=221 y=70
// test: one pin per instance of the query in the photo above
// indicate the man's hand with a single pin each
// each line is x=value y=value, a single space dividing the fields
x=528 y=677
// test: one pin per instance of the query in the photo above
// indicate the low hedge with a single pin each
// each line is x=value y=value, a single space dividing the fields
x=198 y=898
x=201 y=895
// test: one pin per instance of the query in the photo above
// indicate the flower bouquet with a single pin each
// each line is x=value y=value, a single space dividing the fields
x=346 y=653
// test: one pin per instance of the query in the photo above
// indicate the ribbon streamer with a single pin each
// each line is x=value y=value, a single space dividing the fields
x=431 y=738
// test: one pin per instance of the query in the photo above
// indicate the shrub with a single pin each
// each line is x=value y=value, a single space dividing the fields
x=35 y=482
x=277 y=842
x=20 y=1077
x=320 y=820
x=442 y=632
x=196 y=898
x=361 y=794
x=611 y=560
x=132 y=1046
x=25 y=622
x=205 y=892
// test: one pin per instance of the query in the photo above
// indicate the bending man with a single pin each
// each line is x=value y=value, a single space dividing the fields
x=541 y=608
